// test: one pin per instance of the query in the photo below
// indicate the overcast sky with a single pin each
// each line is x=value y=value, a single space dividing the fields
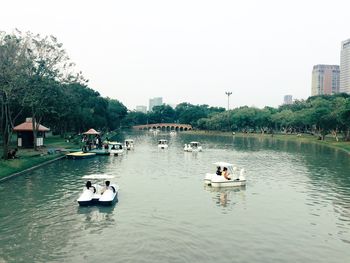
x=191 y=51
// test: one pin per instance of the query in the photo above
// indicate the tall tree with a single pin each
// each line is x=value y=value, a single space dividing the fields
x=13 y=80
x=49 y=63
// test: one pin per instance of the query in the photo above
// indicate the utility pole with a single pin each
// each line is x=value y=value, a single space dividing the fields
x=228 y=93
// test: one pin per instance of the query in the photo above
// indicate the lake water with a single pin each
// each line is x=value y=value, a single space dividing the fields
x=295 y=207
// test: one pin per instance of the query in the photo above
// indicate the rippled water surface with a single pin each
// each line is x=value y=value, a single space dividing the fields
x=295 y=207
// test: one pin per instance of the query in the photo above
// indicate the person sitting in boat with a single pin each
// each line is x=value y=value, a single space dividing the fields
x=113 y=147
x=90 y=187
x=107 y=187
x=226 y=174
x=218 y=171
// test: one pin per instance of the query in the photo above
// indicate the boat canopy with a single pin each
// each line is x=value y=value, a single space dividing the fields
x=114 y=143
x=98 y=176
x=223 y=164
x=162 y=140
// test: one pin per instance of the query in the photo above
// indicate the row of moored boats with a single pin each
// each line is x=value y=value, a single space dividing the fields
x=110 y=148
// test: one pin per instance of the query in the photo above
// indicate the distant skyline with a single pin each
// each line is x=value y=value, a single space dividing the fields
x=191 y=51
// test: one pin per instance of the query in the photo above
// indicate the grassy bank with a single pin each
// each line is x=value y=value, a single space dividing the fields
x=329 y=141
x=28 y=158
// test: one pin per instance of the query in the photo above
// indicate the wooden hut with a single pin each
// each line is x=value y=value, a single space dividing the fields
x=25 y=136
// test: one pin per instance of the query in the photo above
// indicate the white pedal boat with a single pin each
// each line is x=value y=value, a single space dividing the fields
x=162 y=144
x=237 y=177
x=193 y=147
x=115 y=148
x=95 y=195
x=129 y=144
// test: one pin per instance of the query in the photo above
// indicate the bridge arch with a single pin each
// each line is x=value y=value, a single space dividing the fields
x=164 y=127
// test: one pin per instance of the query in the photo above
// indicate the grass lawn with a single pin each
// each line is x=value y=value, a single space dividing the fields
x=28 y=158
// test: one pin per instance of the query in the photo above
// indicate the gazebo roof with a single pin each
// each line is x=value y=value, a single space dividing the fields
x=91 y=132
x=28 y=126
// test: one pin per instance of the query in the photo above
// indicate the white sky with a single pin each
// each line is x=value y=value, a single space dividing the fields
x=191 y=51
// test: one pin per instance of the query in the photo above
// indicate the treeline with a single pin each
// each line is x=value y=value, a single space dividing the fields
x=38 y=80
x=185 y=113
x=318 y=115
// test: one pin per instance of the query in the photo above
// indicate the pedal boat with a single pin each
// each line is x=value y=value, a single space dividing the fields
x=115 y=148
x=162 y=144
x=193 y=147
x=129 y=144
x=94 y=195
x=80 y=155
x=237 y=177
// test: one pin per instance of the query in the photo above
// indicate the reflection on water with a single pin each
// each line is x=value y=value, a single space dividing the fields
x=98 y=214
x=227 y=197
x=295 y=207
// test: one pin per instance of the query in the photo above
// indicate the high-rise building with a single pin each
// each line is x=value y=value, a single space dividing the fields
x=155 y=102
x=288 y=99
x=325 y=80
x=345 y=66
x=141 y=108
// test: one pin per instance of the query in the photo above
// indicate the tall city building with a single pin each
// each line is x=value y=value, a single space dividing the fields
x=141 y=108
x=288 y=99
x=325 y=80
x=155 y=102
x=345 y=66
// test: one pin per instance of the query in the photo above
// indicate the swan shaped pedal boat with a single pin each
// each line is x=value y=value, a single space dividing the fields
x=96 y=194
x=193 y=147
x=129 y=144
x=162 y=144
x=237 y=178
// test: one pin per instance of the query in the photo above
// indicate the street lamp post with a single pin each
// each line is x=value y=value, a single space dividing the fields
x=228 y=93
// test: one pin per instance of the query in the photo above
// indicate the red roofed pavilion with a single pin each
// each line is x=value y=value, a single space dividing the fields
x=91 y=132
x=25 y=137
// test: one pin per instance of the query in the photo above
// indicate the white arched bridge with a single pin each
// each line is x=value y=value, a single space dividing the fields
x=164 y=127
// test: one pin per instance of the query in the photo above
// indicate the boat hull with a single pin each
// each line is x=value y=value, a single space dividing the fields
x=219 y=181
x=228 y=183
x=109 y=197
x=163 y=146
x=100 y=152
x=116 y=152
x=80 y=155
x=191 y=149
x=110 y=201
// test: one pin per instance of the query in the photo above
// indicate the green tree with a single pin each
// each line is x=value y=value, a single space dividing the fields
x=49 y=63
x=162 y=114
x=13 y=80
x=116 y=112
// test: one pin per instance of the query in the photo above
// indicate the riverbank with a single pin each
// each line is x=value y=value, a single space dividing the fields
x=307 y=138
x=55 y=148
